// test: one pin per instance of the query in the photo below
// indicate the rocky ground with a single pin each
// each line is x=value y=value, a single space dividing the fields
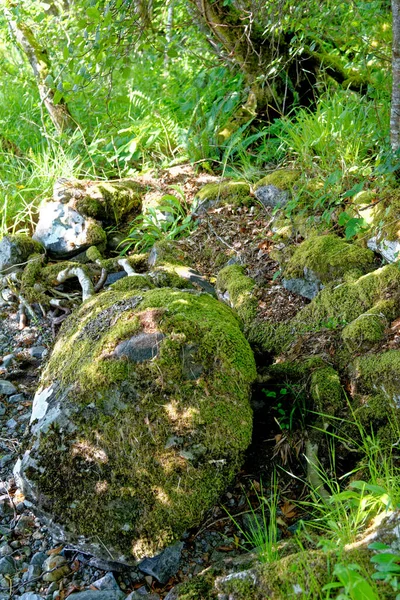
x=32 y=565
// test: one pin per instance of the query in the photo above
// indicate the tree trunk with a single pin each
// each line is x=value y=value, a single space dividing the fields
x=395 y=109
x=40 y=63
x=277 y=75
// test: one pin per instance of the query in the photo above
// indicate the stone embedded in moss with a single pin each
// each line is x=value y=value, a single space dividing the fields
x=328 y=257
x=98 y=462
x=236 y=193
x=15 y=251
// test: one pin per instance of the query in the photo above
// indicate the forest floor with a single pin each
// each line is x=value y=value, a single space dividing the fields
x=222 y=234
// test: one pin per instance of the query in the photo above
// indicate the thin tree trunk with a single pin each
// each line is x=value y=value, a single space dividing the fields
x=395 y=109
x=40 y=63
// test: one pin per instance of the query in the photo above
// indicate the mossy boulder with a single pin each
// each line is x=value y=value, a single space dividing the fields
x=64 y=232
x=106 y=201
x=15 y=250
x=140 y=421
x=335 y=306
x=328 y=258
x=212 y=195
x=274 y=190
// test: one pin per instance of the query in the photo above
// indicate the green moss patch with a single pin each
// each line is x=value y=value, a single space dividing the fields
x=236 y=193
x=283 y=179
x=151 y=444
x=109 y=201
x=329 y=258
x=239 y=289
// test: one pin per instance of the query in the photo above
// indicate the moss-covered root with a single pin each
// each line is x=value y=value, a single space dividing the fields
x=326 y=391
x=235 y=288
x=329 y=258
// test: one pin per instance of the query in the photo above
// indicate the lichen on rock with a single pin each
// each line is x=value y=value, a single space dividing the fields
x=141 y=421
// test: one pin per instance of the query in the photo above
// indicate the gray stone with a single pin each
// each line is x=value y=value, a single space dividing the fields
x=37 y=351
x=173 y=594
x=38 y=558
x=55 y=567
x=7 y=388
x=164 y=565
x=7 y=566
x=32 y=572
x=2 y=409
x=302 y=287
x=107 y=582
x=64 y=232
x=100 y=595
x=15 y=250
x=6 y=460
x=16 y=398
x=11 y=424
x=139 y=348
x=390 y=250
x=271 y=196
x=5 y=550
x=30 y=596
x=8 y=359
x=145 y=595
x=113 y=277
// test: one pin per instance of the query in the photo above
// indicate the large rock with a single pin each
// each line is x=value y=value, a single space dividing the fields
x=64 y=232
x=322 y=259
x=106 y=201
x=129 y=448
x=15 y=251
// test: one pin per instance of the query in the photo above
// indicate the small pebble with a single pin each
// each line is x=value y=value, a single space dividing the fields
x=7 y=388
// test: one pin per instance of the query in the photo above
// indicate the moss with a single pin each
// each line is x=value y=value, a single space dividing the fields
x=30 y=286
x=369 y=328
x=326 y=391
x=284 y=179
x=236 y=193
x=166 y=253
x=378 y=372
x=110 y=201
x=329 y=257
x=96 y=236
x=269 y=337
x=26 y=245
x=38 y=279
x=347 y=301
x=93 y=254
x=129 y=412
x=309 y=571
x=232 y=280
x=198 y=589
x=131 y=283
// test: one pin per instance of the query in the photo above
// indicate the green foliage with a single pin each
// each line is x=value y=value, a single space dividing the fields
x=387 y=563
x=356 y=587
x=290 y=408
x=261 y=533
x=171 y=219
